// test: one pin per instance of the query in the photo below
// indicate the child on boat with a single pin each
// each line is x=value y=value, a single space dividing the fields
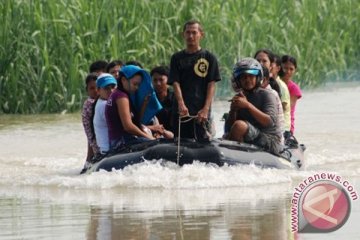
x=105 y=83
x=87 y=115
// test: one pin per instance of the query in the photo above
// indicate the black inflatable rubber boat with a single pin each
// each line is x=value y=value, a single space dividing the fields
x=218 y=151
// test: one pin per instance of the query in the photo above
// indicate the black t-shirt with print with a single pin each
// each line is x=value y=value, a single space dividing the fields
x=193 y=71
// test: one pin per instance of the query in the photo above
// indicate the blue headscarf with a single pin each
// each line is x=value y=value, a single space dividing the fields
x=145 y=89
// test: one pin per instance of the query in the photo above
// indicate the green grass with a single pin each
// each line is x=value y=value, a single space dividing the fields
x=47 y=46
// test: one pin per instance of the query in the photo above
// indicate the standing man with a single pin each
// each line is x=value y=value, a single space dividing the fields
x=193 y=73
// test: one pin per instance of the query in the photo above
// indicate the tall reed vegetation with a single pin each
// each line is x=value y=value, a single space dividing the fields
x=46 y=46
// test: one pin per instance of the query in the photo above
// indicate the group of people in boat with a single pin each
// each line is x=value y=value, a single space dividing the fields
x=128 y=105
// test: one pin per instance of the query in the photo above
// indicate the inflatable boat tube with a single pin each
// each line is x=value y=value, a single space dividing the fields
x=218 y=151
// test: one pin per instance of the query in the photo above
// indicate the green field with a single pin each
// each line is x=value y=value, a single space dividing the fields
x=46 y=46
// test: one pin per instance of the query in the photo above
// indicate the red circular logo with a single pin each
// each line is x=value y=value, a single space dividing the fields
x=326 y=206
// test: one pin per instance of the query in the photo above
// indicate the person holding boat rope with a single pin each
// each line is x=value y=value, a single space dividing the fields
x=254 y=111
x=193 y=73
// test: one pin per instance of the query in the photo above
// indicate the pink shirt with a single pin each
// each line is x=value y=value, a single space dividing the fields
x=294 y=90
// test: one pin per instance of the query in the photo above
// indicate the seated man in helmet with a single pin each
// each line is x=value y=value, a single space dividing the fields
x=253 y=111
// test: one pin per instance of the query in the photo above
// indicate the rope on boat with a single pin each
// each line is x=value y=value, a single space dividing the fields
x=182 y=119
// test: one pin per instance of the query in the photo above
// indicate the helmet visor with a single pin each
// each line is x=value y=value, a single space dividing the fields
x=252 y=71
x=238 y=73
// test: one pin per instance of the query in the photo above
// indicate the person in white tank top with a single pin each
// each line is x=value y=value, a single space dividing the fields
x=105 y=83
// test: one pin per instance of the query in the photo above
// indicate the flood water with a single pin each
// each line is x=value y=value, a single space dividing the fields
x=42 y=196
